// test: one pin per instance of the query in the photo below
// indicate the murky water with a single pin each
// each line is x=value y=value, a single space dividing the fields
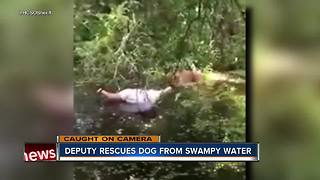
x=176 y=121
x=94 y=117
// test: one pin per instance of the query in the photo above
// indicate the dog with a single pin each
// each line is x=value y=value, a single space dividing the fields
x=186 y=78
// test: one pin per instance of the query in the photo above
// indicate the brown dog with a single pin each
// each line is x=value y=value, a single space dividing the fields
x=183 y=78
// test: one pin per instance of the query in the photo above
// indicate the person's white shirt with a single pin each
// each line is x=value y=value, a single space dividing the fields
x=140 y=100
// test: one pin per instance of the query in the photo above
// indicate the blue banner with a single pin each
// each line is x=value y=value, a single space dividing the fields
x=159 y=151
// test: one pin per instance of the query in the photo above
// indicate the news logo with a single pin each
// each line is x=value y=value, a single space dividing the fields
x=40 y=152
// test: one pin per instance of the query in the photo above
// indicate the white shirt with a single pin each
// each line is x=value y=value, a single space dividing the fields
x=140 y=100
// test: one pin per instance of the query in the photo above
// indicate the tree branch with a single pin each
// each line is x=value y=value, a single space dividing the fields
x=240 y=9
x=187 y=31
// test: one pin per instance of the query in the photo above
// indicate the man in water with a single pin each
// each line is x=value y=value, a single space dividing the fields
x=144 y=100
x=140 y=101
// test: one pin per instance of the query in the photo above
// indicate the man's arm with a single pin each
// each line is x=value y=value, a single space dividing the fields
x=167 y=90
x=110 y=96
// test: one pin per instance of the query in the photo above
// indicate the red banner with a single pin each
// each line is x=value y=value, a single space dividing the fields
x=40 y=152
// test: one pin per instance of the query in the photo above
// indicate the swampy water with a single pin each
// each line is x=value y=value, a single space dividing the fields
x=93 y=116
x=187 y=115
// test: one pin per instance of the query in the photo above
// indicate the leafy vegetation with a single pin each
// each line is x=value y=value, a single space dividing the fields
x=136 y=43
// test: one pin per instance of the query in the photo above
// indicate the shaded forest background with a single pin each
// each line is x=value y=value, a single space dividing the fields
x=121 y=44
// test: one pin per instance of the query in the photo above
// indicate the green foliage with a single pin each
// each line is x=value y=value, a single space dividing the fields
x=136 y=43
x=137 y=39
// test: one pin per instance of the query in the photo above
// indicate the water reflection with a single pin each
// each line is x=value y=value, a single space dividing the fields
x=95 y=116
x=199 y=114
